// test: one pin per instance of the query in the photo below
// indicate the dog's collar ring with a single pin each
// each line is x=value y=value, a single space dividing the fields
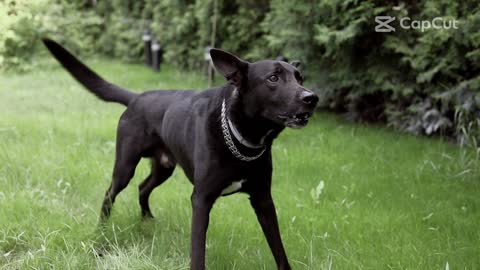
x=229 y=141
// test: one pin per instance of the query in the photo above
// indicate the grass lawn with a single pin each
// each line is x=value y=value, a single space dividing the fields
x=389 y=201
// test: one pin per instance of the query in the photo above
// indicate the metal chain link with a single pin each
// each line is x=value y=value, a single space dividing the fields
x=229 y=141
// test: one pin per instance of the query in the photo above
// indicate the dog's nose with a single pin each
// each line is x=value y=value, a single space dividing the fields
x=309 y=98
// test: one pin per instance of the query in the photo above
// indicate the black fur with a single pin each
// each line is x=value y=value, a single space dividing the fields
x=184 y=127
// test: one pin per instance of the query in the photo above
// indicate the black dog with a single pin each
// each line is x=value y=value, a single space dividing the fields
x=221 y=137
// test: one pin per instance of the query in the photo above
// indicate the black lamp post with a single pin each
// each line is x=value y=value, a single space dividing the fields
x=157 y=53
x=147 y=41
x=210 y=70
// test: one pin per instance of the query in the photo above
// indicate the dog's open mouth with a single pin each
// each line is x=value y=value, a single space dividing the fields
x=295 y=120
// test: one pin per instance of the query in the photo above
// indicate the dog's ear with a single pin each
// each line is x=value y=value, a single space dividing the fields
x=230 y=66
x=296 y=63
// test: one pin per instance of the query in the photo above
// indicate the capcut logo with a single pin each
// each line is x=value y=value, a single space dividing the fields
x=383 y=24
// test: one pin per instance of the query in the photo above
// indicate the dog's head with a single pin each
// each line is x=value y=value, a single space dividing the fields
x=270 y=89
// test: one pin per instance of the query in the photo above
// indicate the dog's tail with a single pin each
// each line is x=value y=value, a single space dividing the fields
x=87 y=77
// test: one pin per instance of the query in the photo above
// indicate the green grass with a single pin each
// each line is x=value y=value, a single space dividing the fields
x=390 y=201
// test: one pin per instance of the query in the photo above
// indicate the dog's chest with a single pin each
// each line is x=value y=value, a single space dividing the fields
x=233 y=187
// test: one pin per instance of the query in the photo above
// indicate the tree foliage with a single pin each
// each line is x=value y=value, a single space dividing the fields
x=423 y=82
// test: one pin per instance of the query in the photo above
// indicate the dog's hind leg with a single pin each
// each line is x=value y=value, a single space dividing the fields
x=163 y=166
x=127 y=158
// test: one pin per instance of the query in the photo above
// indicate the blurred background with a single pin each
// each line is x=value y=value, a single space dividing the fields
x=421 y=82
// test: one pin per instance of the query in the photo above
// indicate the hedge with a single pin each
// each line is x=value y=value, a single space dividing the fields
x=422 y=82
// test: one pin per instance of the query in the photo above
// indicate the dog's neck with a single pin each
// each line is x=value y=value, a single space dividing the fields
x=255 y=131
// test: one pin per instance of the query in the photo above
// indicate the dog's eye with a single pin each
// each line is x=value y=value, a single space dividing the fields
x=273 y=78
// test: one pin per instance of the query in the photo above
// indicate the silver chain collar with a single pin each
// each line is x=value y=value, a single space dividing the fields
x=229 y=141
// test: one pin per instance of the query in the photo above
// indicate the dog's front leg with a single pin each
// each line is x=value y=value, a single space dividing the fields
x=264 y=207
x=201 y=206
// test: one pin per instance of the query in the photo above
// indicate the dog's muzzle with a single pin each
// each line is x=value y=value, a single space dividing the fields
x=308 y=101
x=299 y=120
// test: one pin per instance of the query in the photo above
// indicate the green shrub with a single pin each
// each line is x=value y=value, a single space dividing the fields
x=23 y=23
x=17 y=25
x=415 y=81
